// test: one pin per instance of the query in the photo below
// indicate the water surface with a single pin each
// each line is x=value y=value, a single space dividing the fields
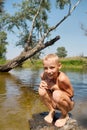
x=19 y=98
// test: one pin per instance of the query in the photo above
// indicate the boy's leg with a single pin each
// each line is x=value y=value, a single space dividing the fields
x=61 y=121
x=49 y=117
x=46 y=97
x=64 y=116
x=64 y=105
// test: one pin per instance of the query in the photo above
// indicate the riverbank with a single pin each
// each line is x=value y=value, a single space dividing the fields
x=75 y=63
x=70 y=63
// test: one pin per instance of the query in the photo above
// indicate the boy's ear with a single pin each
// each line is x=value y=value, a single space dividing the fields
x=60 y=65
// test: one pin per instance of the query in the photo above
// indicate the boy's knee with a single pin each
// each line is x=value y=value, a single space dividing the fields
x=57 y=95
x=41 y=91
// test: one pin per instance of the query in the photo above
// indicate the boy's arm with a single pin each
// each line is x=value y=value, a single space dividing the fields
x=66 y=86
x=43 y=83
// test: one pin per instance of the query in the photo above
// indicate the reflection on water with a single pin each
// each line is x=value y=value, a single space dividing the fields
x=79 y=82
x=19 y=98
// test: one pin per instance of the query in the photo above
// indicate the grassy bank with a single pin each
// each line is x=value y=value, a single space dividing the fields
x=67 y=63
x=70 y=63
x=32 y=64
x=74 y=62
x=2 y=61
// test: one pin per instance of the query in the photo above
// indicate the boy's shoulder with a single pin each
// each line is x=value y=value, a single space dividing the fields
x=62 y=77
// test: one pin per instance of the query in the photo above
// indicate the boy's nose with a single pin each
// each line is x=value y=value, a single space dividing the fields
x=49 y=70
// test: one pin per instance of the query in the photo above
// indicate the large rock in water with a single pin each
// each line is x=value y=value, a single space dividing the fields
x=38 y=123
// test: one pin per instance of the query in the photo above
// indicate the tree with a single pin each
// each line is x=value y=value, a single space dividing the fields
x=3 y=34
x=84 y=29
x=61 y=52
x=34 y=12
x=1 y=5
x=3 y=43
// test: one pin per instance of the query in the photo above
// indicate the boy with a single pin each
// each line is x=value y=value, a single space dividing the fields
x=56 y=90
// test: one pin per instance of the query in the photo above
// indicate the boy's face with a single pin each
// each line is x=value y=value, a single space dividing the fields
x=51 y=68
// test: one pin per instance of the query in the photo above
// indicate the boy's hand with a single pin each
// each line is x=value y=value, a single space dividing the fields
x=43 y=84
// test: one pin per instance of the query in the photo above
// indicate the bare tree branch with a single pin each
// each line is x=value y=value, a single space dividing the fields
x=33 y=22
x=84 y=29
x=40 y=45
x=63 y=19
x=26 y=55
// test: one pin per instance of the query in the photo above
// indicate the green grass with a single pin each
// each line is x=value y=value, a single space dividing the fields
x=32 y=64
x=67 y=63
x=74 y=62
x=2 y=61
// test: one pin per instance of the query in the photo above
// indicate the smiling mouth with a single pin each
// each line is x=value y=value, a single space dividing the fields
x=51 y=75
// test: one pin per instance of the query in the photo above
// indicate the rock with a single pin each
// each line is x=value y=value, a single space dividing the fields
x=38 y=123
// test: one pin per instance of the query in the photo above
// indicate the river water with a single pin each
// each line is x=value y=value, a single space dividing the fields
x=19 y=98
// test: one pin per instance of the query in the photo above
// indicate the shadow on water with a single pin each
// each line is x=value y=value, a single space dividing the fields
x=19 y=99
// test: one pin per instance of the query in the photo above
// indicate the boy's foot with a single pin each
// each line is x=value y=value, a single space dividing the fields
x=72 y=105
x=62 y=121
x=49 y=117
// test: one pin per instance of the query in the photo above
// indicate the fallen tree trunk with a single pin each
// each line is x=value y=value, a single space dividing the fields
x=26 y=55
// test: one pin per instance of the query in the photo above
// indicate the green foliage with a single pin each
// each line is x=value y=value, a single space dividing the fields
x=34 y=64
x=3 y=43
x=1 y=5
x=61 y=52
x=22 y=20
x=2 y=61
x=62 y=3
x=3 y=34
x=75 y=63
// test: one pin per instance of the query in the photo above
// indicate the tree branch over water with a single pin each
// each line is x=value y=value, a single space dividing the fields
x=28 y=52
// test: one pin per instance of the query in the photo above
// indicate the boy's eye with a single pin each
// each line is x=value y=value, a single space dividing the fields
x=52 y=67
x=45 y=68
